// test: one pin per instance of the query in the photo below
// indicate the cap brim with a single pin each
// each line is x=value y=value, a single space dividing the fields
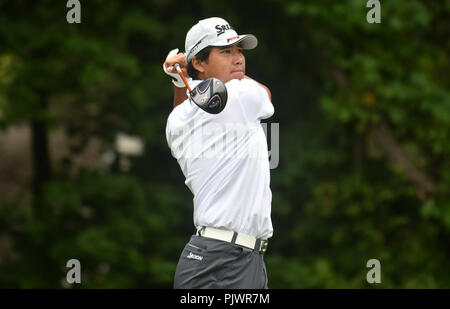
x=248 y=41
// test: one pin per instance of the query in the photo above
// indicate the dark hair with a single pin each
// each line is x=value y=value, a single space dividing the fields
x=202 y=55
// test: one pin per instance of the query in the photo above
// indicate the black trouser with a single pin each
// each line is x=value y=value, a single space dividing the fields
x=207 y=263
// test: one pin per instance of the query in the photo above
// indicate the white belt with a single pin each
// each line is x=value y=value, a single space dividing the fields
x=233 y=237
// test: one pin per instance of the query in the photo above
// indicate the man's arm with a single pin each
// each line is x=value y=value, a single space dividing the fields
x=179 y=95
x=267 y=89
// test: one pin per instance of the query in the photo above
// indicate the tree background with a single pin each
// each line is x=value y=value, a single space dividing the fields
x=364 y=117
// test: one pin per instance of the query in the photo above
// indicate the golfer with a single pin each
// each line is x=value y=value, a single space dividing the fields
x=224 y=158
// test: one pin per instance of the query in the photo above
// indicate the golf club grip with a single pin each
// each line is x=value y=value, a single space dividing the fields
x=180 y=72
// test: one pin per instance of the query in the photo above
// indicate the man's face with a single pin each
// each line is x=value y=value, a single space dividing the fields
x=224 y=63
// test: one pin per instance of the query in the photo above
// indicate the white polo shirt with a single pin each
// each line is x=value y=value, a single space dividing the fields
x=224 y=158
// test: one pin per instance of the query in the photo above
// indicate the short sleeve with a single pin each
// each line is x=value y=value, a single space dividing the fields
x=267 y=108
x=255 y=100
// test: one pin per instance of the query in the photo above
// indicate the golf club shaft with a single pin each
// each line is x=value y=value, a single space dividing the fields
x=180 y=72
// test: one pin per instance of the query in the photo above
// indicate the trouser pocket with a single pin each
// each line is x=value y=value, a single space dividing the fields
x=190 y=271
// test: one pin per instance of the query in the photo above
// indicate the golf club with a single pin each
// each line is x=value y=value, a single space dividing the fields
x=210 y=95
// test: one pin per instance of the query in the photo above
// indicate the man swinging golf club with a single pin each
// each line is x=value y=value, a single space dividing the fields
x=224 y=156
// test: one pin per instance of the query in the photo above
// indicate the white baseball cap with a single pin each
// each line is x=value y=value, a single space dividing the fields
x=217 y=32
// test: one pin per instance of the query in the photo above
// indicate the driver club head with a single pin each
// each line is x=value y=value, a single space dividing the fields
x=210 y=95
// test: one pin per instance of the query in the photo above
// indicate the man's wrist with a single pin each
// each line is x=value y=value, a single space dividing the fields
x=180 y=83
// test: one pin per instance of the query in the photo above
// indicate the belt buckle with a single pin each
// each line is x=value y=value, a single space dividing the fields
x=263 y=246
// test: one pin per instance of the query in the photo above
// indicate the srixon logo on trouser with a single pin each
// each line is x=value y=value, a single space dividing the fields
x=221 y=29
x=194 y=256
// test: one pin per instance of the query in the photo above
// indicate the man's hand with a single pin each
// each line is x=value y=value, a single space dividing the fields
x=168 y=67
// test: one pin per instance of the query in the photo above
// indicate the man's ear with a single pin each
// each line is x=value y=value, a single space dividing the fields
x=198 y=65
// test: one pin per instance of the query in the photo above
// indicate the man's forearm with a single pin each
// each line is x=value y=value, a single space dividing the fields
x=179 y=95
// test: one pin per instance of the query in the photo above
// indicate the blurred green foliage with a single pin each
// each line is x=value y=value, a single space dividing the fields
x=364 y=113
